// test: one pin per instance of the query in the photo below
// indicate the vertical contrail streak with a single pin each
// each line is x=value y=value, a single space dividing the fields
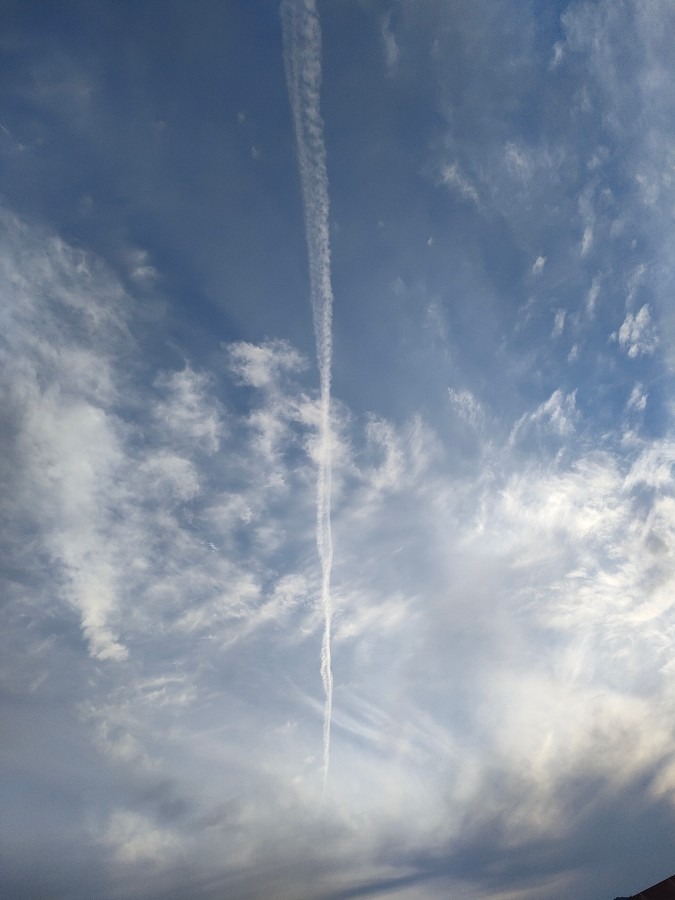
x=302 y=59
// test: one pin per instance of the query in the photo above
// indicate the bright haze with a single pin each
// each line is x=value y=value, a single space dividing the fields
x=483 y=434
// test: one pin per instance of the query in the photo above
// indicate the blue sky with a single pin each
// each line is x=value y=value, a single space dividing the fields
x=498 y=209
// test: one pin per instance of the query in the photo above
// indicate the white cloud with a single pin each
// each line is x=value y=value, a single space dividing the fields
x=557 y=415
x=166 y=516
x=638 y=399
x=68 y=447
x=587 y=212
x=388 y=469
x=140 y=268
x=435 y=319
x=587 y=240
x=637 y=334
x=558 y=54
x=453 y=177
x=525 y=164
x=635 y=279
x=547 y=576
x=519 y=160
x=653 y=467
x=538 y=265
x=467 y=407
x=188 y=413
x=133 y=839
x=391 y=50
x=592 y=297
x=259 y=366
x=169 y=477
x=122 y=510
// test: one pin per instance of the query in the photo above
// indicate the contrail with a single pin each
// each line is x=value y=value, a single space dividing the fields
x=302 y=59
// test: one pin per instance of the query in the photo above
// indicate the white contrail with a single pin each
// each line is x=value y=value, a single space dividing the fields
x=302 y=59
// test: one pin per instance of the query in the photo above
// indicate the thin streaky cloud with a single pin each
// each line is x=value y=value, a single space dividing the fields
x=302 y=58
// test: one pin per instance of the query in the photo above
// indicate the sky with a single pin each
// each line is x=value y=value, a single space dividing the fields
x=338 y=434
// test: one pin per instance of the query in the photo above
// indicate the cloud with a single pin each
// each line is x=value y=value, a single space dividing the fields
x=557 y=415
x=467 y=406
x=68 y=452
x=302 y=59
x=503 y=579
x=187 y=412
x=391 y=49
x=592 y=297
x=588 y=217
x=133 y=839
x=519 y=161
x=140 y=268
x=637 y=334
x=452 y=177
x=638 y=399
x=547 y=573
x=111 y=504
x=538 y=265
x=259 y=366
x=587 y=240
x=558 y=55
